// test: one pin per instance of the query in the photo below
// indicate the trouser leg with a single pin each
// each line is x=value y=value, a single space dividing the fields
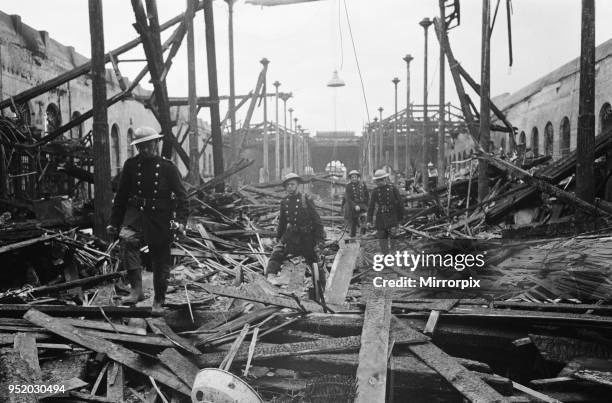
x=276 y=259
x=354 y=226
x=383 y=240
x=160 y=261
x=129 y=246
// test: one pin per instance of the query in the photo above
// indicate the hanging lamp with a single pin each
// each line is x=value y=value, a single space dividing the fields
x=335 y=81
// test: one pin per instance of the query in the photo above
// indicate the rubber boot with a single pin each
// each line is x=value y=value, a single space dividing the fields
x=136 y=294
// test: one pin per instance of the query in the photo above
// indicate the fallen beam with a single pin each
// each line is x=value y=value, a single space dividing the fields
x=341 y=273
x=374 y=351
x=83 y=282
x=113 y=351
x=18 y=310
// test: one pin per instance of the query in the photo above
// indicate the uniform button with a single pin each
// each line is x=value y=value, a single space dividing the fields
x=140 y=192
x=156 y=173
x=157 y=166
x=156 y=183
x=153 y=208
x=138 y=183
x=155 y=191
x=139 y=173
x=141 y=208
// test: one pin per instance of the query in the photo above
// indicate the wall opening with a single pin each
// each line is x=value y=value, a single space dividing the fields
x=115 y=149
x=535 y=142
x=549 y=138
x=564 y=146
x=605 y=118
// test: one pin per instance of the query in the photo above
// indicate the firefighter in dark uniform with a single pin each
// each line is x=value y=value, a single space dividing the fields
x=150 y=192
x=389 y=207
x=355 y=203
x=299 y=227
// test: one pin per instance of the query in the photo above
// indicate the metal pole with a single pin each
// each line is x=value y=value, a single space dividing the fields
x=425 y=23
x=266 y=139
x=485 y=113
x=285 y=98
x=277 y=165
x=381 y=140
x=585 y=185
x=213 y=91
x=194 y=150
x=291 y=153
x=296 y=159
x=102 y=169
x=408 y=58
x=374 y=131
x=441 y=110
x=395 y=81
x=232 y=87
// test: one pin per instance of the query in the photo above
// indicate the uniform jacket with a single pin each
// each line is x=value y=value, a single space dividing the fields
x=389 y=207
x=299 y=216
x=150 y=191
x=355 y=194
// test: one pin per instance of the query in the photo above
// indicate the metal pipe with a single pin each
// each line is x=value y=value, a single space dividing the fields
x=395 y=81
x=408 y=58
x=266 y=156
x=425 y=23
x=277 y=137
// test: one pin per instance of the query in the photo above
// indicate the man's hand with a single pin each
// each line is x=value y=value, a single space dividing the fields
x=112 y=231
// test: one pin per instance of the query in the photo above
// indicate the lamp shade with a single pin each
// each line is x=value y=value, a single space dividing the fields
x=335 y=80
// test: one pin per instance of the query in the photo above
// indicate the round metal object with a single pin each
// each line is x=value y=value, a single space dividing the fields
x=213 y=385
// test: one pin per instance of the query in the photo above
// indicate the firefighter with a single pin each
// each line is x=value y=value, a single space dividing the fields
x=355 y=203
x=150 y=193
x=389 y=207
x=299 y=227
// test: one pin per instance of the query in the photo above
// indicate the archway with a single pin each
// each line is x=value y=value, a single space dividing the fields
x=130 y=147
x=549 y=138
x=535 y=142
x=605 y=118
x=115 y=149
x=53 y=118
x=564 y=147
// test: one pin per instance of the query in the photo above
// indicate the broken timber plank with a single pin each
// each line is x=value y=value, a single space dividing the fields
x=14 y=370
x=341 y=273
x=25 y=344
x=113 y=351
x=18 y=310
x=48 y=289
x=114 y=382
x=115 y=327
x=284 y=302
x=432 y=321
x=128 y=338
x=340 y=344
x=180 y=365
x=533 y=393
x=163 y=328
x=466 y=382
x=373 y=354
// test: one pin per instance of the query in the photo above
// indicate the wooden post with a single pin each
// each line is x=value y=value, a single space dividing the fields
x=585 y=184
x=232 y=88
x=441 y=111
x=408 y=59
x=102 y=169
x=194 y=152
x=485 y=110
x=213 y=91
x=266 y=139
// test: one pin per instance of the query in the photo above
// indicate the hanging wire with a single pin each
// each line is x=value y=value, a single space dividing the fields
x=365 y=99
x=340 y=35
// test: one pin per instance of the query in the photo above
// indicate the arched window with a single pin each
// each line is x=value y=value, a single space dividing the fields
x=535 y=142
x=115 y=149
x=564 y=147
x=76 y=132
x=503 y=145
x=130 y=147
x=605 y=118
x=210 y=165
x=53 y=118
x=548 y=139
x=522 y=138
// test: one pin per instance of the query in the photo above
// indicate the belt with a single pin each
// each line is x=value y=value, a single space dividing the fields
x=385 y=209
x=143 y=202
